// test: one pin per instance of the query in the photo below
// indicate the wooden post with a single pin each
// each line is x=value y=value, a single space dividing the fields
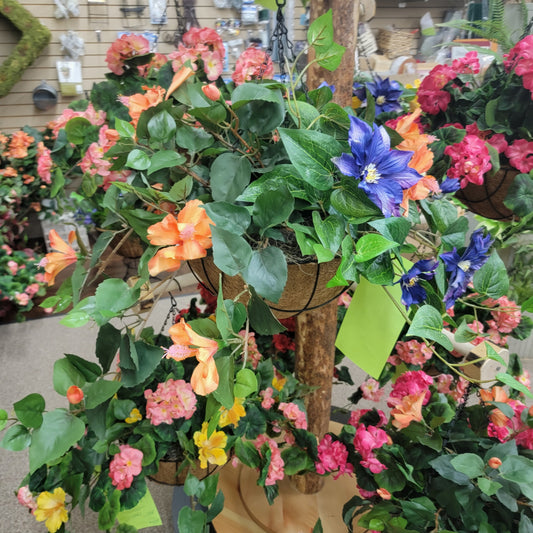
x=345 y=21
x=315 y=360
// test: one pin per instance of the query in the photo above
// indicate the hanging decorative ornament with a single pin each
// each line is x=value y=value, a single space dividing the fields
x=72 y=45
x=367 y=10
x=66 y=9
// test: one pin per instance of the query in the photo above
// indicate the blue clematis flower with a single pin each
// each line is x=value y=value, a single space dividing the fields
x=450 y=185
x=383 y=173
x=463 y=267
x=326 y=84
x=412 y=291
x=386 y=94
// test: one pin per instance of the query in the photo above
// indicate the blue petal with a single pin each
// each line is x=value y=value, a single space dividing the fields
x=386 y=194
x=347 y=165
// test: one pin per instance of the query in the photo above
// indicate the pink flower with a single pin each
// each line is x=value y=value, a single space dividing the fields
x=525 y=438
x=13 y=267
x=171 y=400
x=124 y=466
x=7 y=249
x=431 y=97
x=276 y=466
x=293 y=413
x=268 y=401
x=507 y=316
x=413 y=352
x=520 y=58
x=525 y=379
x=344 y=299
x=252 y=64
x=367 y=494
x=254 y=355
x=371 y=390
x=368 y=439
x=332 y=456
x=126 y=47
x=520 y=154
x=44 y=163
x=469 y=64
x=356 y=415
x=408 y=383
x=443 y=383
x=32 y=289
x=499 y=432
x=25 y=498
x=22 y=298
x=470 y=160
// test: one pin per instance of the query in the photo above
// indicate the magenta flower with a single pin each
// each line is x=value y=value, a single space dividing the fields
x=124 y=466
x=520 y=155
x=293 y=413
x=408 y=384
x=332 y=456
x=470 y=160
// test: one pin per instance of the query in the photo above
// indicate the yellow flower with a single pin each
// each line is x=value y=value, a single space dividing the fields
x=211 y=449
x=278 y=383
x=233 y=415
x=134 y=416
x=51 y=507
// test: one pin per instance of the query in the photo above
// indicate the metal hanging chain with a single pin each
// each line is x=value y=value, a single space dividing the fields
x=458 y=413
x=172 y=312
x=280 y=37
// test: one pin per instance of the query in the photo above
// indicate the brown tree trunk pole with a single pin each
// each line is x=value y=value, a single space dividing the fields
x=315 y=360
x=345 y=21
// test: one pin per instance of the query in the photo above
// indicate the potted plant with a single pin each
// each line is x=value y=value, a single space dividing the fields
x=256 y=175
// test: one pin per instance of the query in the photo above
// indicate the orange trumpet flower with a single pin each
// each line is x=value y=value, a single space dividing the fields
x=55 y=262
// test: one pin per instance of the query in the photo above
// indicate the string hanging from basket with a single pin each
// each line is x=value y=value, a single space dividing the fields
x=280 y=39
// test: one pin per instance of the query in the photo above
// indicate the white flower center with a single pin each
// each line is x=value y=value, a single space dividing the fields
x=372 y=174
x=380 y=100
x=464 y=265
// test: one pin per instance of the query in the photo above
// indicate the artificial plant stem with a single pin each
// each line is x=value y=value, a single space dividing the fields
x=193 y=175
x=397 y=305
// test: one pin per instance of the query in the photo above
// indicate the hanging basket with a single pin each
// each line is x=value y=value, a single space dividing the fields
x=132 y=247
x=487 y=199
x=305 y=289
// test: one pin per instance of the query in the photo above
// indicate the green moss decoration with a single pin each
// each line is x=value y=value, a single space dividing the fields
x=34 y=38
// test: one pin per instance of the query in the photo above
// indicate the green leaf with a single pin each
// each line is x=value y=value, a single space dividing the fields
x=230 y=174
x=330 y=231
x=261 y=318
x=16 y=438
x=394 y=229
x=311 y=152
x=267 y=272
x=330 y=58
x=3 y=419
x=114 y=295
x=455 y=233
x=517 y=468
x=228 y=216
x=66 y=374
x=107 y=345
x=488 y=486
x=161 y=127
x=190 y=521
x=100 y=391
x=247 y=92
x=443 y=466
x=146 y=444
x=246 y=383
x=138 y=159
x=29 y=410
x=420 y=512
x=90 y=371
x=353 y=203
x=464 y=333
x=59 y=431
x=318 y=527
x=224 y=392
x=320 y=32
x=427 y=323
x=272 y=207
x=519 y=197
x=491 y=279
x=216 y=507
x=149 y=357
x=125 y=129
x=108 y=513
x=371 y=245
x=193 y=139
x=165 y=159
x=511 y=382
x=78 y=130
x=469 y=464
x=231 y=253
x=247 y=453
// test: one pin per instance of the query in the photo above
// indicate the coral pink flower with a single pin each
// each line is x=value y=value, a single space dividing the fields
x=25 y=497
x=171 y=400
x=469 y=64
x=18 y=146
x=494 y=462
x=356 y=415
x=384 y=493
x=344 y=299
x=124 y=466
x=126 y=47
x=211 y=91
x=55 y=262
x=520 y=154
x=332 y=456
x=32 y=289
x=252 y=64
x=371 y=390
x=413 y=352
x=13 y=267
x=276 y=466
x=254 y=355
x=293 y=413
x=444 y=382
x=44 y=163
x=267 y=401
x=22 y=298
x=157 y=61
x=507 y=317
x=186 y=237
x=470 y=160
x=408 y=410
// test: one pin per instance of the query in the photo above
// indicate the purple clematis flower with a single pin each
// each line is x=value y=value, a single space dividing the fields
x=383 y=173
x=326 y=84
x=463 y=267
x=412 y=291
x=450 y=185
x=386 y=94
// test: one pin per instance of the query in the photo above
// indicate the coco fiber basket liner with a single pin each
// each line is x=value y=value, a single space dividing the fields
x=305 y=288
x=395 y=43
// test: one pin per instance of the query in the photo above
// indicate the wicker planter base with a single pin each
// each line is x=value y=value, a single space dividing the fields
x=487 y=199
x=305 y=288
x=168 y=473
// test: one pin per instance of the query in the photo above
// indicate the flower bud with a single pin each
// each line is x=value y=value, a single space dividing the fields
x=211 y=91
x=384 y=493
x=74 y=394
x=495 y=462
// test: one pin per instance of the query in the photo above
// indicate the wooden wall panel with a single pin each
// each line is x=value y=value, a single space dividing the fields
x=17 y=109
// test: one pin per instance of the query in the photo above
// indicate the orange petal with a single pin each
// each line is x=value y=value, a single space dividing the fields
x=165 y=260
x=181 y=75
x=164 y=233
x=204 y=379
